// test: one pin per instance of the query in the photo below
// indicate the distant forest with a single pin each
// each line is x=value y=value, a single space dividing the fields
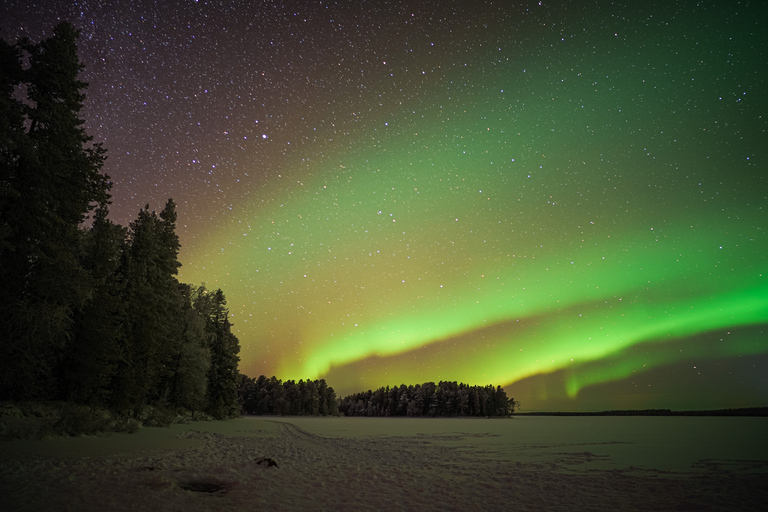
x=311 y=398
x=273 y=396
x=90 y=311
x=429 y=399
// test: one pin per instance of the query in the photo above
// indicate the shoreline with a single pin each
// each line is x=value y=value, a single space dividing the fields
x=738 y=412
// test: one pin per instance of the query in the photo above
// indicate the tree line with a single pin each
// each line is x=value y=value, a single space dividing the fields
x=90 y=311
x=273 y=396
x=445 y=399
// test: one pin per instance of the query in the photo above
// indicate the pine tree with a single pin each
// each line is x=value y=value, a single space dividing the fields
x=190 y=388
x=92 y=355
x=13 y=143
x=222 y=374
x=155 y=312
x=322 y=393
x=51 y=179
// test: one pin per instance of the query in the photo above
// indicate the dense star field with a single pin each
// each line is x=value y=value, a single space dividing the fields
x=567 y=198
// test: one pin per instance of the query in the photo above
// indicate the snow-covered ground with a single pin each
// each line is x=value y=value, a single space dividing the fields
x=522 y=463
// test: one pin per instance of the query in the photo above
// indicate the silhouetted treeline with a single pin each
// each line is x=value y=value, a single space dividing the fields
x=744 y=411
x=429 y=399
x=273 y=396
x=90 y=311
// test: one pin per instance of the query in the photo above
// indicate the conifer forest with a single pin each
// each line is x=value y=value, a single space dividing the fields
x=92 y=311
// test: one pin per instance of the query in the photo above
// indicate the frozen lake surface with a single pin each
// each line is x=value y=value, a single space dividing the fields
x=521 y=463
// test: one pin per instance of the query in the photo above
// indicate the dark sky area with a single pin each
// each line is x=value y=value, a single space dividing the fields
x=567 y=198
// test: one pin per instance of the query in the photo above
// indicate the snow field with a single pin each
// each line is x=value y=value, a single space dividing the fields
x=523 y=463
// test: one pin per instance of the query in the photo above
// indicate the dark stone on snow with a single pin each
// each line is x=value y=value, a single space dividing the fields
x=267 y=462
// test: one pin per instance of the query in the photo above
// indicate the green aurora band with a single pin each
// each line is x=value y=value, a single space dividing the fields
x=527 y=218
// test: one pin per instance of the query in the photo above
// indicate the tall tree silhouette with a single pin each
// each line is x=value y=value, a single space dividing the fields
x=51 y=179
x=155 y=320
x=91 y=358
x=223 y=376
x=190 y=385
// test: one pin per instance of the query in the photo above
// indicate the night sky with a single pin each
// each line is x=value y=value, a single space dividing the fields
x=565 y=198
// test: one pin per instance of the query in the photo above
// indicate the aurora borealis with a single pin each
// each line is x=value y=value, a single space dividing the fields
x=558 y=197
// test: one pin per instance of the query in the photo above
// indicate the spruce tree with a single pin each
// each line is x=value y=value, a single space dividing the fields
x=190 y=385
x=91 y=358
x=225 y=347
x=155 y=312
x=51 y=179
